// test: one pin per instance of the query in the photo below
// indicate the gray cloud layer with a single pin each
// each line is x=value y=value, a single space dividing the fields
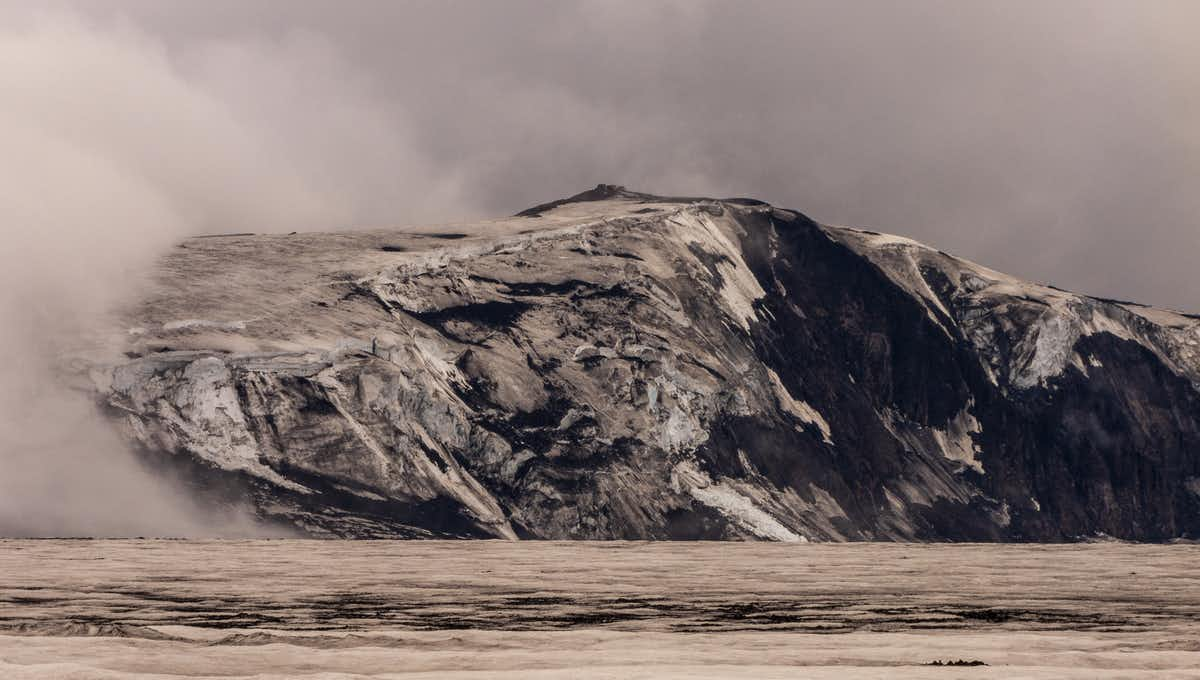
x=1053 y=140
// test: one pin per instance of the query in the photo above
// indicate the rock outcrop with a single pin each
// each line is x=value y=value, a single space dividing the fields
x=625 y=366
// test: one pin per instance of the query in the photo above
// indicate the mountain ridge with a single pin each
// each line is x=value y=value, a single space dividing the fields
x=621 y=365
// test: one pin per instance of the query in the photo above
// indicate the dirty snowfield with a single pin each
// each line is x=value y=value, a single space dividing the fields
x=489 y=609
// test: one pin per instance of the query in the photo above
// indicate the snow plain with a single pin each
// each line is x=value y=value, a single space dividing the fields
x=393 y=609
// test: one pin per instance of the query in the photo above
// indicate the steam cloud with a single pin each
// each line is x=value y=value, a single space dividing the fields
x=1055 y=141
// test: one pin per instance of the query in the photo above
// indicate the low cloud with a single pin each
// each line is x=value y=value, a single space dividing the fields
x=113 y=150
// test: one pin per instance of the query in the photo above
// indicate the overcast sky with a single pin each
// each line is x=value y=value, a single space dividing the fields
x=1058 y=141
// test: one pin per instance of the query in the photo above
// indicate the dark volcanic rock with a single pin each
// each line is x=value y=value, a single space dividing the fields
x=619 y=365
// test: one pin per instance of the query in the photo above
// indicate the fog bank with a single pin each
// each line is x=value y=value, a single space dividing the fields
x=112 y=153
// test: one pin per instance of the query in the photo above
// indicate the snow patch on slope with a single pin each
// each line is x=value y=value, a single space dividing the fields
x=739 y=289
x=191 y=324
x=956 y=442
x=1049 y=345
x=205 y=410
x=798 y=407
x=741 y=510
x=1053 y=336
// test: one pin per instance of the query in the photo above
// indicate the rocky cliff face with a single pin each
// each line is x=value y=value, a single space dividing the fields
x=618 y=365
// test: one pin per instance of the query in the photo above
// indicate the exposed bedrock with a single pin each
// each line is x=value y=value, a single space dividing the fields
x=625 y=366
